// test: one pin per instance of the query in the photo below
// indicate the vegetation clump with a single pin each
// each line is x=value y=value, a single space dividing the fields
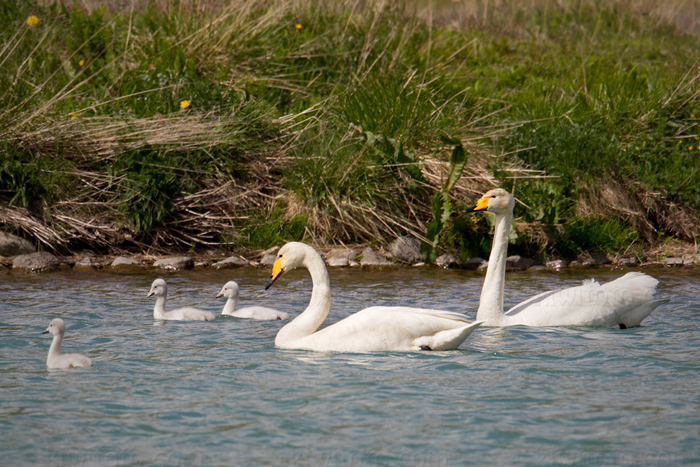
x=248 y=123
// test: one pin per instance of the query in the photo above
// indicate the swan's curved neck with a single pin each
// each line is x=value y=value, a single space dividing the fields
x=311 y=319
x=230 y=305
x=491 y=303
x=159 y=308
x=55 y=349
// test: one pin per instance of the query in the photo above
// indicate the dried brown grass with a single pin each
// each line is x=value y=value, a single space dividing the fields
x=91 y=217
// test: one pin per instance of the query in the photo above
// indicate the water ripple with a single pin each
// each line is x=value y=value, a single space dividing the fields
x=220 y=393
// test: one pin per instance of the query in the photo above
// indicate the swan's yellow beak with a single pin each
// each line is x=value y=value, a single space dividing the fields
x=481 y=205
x=276 y=272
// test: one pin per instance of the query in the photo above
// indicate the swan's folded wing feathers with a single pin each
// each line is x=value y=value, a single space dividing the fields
x=570 y=306
x=385 y=328
x=260 y=312
x=529 y=302
x=634 y=284
x=69 y=360
x=588 y=304
x=451 y=315
x=191 y=314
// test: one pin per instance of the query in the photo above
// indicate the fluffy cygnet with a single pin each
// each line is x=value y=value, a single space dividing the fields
x=230 y=291
x=160 y=291
x=56 y=359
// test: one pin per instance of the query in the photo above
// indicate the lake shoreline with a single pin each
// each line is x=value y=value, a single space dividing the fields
x=335 y=257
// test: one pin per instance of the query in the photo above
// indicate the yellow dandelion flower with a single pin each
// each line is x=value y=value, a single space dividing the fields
x=81 y=62
x=184 y=104
x=73 y=115
x=692 y=115
x=32 y=21
x=690 y=148
x=298 y=26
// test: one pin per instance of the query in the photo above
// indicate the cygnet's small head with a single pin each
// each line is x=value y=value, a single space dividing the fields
x=230 y=290
x=56 y=327
x=498 y=201
x=290 y=256
x=158 y=288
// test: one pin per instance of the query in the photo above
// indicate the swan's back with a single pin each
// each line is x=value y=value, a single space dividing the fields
x=625 y=301
x=189 y=314
x=259 y=312
x=633 y=285
x=68 y=360
x=382 y=328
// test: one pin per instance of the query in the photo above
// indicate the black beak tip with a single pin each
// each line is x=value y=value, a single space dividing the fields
x=271 y=281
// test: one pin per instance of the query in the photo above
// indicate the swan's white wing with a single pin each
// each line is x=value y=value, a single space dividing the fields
x=190 y=314
x=78 y=360
x=589 y=304
x=392 y=328
x=68 y=360
x=260 y=312
x=531 y=301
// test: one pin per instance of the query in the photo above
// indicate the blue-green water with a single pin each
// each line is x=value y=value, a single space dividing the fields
x=220 y=393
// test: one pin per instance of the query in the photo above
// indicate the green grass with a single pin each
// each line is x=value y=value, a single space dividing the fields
x=331 y=131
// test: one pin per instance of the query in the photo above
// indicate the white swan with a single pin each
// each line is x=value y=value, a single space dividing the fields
x=372 y=329
x=160 y=290
x=230 y=291
x=624 y=302
x=57 y=360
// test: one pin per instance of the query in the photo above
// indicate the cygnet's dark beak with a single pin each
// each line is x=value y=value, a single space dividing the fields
x=46 y=331
x=219 y=294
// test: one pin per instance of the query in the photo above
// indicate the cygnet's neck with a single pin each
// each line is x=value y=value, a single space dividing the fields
x=491 y=302
x=159 y=308
x=230 y=305
x=311 y=319
x=55 y=349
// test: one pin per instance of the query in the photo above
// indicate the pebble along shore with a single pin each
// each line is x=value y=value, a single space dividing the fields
x=46 y=262
x=17 y=254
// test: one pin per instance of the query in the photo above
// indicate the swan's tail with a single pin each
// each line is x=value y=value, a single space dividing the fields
x=635 y=291
x=633 y=318
x=447 y=340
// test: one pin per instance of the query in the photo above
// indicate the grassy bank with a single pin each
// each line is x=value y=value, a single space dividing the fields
x=244 y=124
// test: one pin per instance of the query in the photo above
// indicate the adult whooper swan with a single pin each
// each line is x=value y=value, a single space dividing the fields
x=57 y=360
x=624 y=302
x=230 y=291
x=379 y=328
x=160 y=290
